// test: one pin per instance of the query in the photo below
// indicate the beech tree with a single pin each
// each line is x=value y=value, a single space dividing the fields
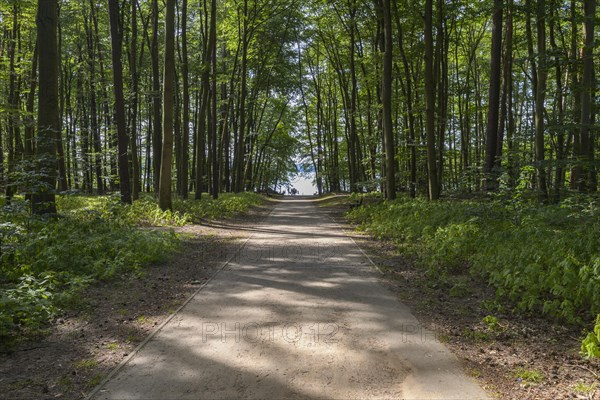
x=43 y=196
x=123 y=157
x=388 y=134
x=492 y=129
x=164 y=197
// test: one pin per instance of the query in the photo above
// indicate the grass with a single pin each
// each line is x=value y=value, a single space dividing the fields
x=86 y=364
x=585 y=388
x=46 y=263
x=95 y=381
x=476 y=336
x=134 y=338
x=65 y=382
x=112 y=346
x=529 y=376
x=23 y=383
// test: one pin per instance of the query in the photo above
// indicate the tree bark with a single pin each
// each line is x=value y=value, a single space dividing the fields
x=123 y=157
x=587 y=180
x=241 y=142
x=388 y=134
x=156 y=99
x=164 y=199
x=136 y=186
x=540 y=98
x=214 y=97
x=434 y=189
x=185 y=76
x=43 y=198
x=491 y=153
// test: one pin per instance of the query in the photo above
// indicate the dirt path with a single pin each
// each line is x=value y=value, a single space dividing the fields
x=299 y=312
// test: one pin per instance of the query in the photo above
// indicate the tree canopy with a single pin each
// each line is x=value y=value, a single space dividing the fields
x=432 y=98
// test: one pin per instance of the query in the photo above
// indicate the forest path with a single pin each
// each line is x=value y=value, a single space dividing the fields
x=299 y=312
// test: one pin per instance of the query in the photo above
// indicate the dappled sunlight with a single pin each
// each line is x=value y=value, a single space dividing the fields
x=291 y=318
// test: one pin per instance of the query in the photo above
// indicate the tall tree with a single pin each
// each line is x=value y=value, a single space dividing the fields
x=388 y=134
x=123 y=157
x=133 y=70
x=43 y=197
x=13 y=99
x=164 y=199
x=183 y=174
x=408 y=90
x=214 y=96
x=588 y=179
x=540 y=98
x=494 y=99
x=434 y=188
x=246 y=36
x=156 y=99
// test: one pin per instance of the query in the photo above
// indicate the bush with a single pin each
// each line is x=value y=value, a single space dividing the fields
x=543 y=258
x=226 y=206
x=45 y=263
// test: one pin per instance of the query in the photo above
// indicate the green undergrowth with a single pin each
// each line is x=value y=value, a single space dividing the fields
x=542 y=258
x=45 y=264
x=145 y=211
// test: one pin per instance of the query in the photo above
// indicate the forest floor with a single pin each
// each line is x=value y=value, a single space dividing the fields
x=513 y=356
x=112 y=318
x=516 y=357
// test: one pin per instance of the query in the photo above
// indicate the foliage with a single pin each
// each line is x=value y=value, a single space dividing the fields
x=529 y=376
x=146 y=212
x=590 y=347
x=45 y=263
x=28 y=304
x=542 y=258
x=227 y=205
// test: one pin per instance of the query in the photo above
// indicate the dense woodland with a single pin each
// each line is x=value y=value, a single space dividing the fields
x=174 y=99
x=236 y=95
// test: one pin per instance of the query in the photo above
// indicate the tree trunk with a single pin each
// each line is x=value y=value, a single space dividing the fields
x=60 y=150
x=576 y=171
x=412 y=141
x=241 y=145
x=508 y=100
x=352 y=133
x=43 y=198
x=164 y=199
x=587 y=180
x=202 y=118
x=388 y=134
x=214 y=97
x=123 y=157
x=134 y=104
x=156 y=99
x=183 y=174
x=13 y=103
x=30 y=122
x=434 y=189
x=491 y=154
x=540 y=98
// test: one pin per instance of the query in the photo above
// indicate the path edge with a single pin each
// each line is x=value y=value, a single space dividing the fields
x=348 y=235
x=152 y=334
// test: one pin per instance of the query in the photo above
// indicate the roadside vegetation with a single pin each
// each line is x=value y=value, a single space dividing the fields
x=539 y=258
x=47 y=262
